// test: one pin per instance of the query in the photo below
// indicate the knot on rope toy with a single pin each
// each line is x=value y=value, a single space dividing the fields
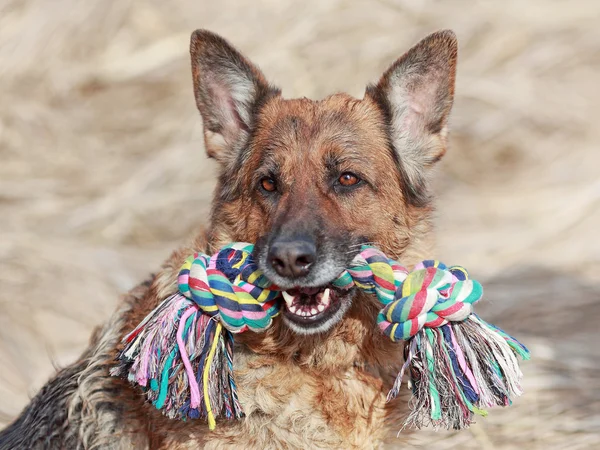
x=458 y=364
x=431 y=296
x=230 y=285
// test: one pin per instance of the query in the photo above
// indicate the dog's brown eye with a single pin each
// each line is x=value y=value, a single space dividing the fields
x=348 y=179
x=268 y=184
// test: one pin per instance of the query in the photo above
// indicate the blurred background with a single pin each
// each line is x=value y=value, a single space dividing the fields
x=102 y=170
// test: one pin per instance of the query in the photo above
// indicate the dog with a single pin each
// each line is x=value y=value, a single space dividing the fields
x=309 y=182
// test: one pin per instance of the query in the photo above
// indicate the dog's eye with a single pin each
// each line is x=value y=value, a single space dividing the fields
x=348 y=179
x=268 y=184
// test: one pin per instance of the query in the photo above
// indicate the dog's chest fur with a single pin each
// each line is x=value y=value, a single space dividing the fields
x=288 y=407
x=325 y=399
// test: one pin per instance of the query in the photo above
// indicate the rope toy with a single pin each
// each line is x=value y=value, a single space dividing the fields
x=458 y=364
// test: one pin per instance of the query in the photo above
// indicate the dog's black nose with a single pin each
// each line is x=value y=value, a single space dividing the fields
x=292 y=259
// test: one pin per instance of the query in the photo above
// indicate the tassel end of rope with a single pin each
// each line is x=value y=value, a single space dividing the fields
x=457 y=364
x=183 y=360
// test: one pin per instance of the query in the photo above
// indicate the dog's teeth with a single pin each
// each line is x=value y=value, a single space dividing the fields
x=325 y=298
x=289 y=298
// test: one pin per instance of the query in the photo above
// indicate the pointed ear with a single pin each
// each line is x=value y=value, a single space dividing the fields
x=416 y=95
x=229 y=90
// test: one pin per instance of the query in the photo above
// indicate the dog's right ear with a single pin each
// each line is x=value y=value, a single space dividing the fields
x=229 y=90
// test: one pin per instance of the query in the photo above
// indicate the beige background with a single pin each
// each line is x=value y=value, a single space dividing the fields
x=102 y=170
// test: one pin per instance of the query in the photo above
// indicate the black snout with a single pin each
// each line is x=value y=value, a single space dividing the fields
x=292 y=259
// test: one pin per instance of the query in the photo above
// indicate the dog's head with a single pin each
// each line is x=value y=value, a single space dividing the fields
x=311 y=181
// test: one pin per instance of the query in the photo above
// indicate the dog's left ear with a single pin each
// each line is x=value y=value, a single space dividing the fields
x=416 y=95
x=228 y=90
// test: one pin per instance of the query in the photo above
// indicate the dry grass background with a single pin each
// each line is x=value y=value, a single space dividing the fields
x=102 y=170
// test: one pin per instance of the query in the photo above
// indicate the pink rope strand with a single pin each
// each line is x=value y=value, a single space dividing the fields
x=194 y=388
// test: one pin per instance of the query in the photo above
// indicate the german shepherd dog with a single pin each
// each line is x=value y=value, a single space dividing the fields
x=309 y=182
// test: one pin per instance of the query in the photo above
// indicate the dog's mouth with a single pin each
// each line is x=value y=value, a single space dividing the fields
x=309 y=310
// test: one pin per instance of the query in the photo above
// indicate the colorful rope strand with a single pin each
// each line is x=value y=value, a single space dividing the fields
x=231 y=285
x=458 y=364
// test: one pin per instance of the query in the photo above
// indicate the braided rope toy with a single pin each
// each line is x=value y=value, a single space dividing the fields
x=458 y=364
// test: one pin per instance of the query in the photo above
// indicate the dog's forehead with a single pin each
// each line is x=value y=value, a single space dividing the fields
x=308 y=127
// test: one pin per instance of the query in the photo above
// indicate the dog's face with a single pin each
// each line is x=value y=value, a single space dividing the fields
x=311 y=181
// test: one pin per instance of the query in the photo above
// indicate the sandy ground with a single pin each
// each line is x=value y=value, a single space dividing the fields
x=102 y=170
